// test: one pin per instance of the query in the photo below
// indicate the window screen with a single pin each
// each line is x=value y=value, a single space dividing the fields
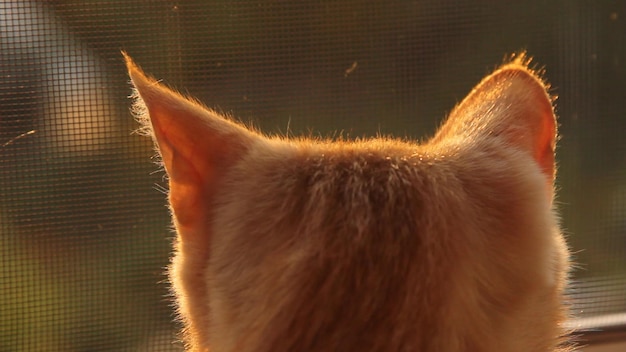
x=84 y=231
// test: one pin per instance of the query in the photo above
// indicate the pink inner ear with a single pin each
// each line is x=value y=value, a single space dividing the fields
x=185 y=179
x=531 y=110
x=197 y=157
x=546 y=144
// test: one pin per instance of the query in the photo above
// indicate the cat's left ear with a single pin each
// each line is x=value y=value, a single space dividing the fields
x=198 y=147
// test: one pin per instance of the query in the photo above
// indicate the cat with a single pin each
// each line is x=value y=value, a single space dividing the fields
x=300 y=244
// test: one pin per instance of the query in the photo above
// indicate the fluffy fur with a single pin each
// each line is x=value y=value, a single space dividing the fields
x=374 y=245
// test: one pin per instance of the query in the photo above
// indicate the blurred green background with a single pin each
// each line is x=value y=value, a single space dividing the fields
x=84 y=230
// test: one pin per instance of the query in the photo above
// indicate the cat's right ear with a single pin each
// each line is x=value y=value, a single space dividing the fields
x=512 y=104
x=197 y=146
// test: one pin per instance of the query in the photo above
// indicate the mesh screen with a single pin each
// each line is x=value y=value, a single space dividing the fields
x=84 y=231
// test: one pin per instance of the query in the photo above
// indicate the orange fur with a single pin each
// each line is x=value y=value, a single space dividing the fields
x=373 y=245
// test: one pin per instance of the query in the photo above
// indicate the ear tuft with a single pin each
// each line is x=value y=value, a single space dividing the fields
x=138 y=107
x=523 y=61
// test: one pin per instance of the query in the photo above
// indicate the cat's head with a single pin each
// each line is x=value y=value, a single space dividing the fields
x=370 y=245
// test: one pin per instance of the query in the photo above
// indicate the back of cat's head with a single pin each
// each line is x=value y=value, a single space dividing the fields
x=382 y=246
x=373 y=245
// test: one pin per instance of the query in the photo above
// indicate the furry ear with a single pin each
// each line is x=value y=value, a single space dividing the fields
x=197 y=146
x=513 y=102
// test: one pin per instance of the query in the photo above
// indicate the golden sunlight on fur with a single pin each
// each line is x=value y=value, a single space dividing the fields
x=372 y=245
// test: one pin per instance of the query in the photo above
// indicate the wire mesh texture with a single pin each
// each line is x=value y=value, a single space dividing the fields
x=84 y=231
